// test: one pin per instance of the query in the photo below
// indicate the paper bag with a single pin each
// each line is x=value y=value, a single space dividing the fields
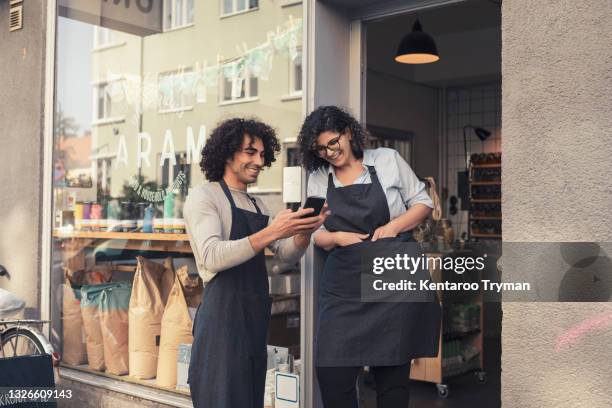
x=175 y=328
x=145 y=314
x=113 y=310
x=74 y=351
x=90 y=302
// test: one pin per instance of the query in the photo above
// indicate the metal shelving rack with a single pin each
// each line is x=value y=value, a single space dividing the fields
x=474 y=182
x=432 y=369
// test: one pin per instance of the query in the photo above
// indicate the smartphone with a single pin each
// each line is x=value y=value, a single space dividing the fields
x=316 y=203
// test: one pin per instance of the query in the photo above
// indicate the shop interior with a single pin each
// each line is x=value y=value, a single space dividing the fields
x=444 y=118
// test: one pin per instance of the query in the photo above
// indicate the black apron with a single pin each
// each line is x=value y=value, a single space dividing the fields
x=229 y=352
x=353 y=333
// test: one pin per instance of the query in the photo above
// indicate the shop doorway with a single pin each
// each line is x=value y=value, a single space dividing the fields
x=423 y=112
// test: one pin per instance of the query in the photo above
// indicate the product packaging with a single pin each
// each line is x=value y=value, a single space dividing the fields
x=150 y=288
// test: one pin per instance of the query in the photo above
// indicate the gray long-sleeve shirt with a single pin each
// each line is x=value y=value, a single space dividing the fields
x=208 y=218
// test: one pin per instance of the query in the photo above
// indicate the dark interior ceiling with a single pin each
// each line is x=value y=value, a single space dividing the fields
x=453 y=18
x=479 y=17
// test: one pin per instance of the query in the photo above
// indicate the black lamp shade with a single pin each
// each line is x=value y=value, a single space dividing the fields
x=482 y=134
x=417 y=47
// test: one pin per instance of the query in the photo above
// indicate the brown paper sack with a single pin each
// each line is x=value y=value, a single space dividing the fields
x=167 y=280
x=74 y=351
x=145 y=314
x=90 y=302
x=176 y=326
x=114 y=303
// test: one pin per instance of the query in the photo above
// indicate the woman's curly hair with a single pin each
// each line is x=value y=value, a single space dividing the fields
x=227 y=138
x=332 y=119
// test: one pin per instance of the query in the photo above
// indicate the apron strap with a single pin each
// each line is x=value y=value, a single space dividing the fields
x=371 y=170
x=228 y=194
x=254 y=203
x=373 y=176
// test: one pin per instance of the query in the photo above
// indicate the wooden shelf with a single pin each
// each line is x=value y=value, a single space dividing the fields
x=487 y=166
x=143 y=241
x=477 y=235
x=460 y=335
x=140 y=236
x=485 y=200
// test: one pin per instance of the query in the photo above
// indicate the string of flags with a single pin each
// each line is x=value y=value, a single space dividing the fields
x=146 y=91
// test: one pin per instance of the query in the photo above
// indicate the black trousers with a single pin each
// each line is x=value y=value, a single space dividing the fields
x=339 y=390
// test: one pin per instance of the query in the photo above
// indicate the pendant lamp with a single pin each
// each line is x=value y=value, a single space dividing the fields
x=417 y=47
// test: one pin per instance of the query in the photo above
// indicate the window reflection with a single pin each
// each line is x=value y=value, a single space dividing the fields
x=137 y=91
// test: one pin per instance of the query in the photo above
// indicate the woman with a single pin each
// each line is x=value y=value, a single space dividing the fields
x=373 y=195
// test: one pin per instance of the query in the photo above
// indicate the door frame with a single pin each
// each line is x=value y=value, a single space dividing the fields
x=333 y=33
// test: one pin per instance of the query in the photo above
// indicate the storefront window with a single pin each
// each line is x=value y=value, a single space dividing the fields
x=135 y=102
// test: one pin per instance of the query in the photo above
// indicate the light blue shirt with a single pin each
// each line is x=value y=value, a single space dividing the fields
x=402 y=187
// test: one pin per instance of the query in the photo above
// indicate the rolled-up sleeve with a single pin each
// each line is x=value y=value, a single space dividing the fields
x=413 y=190
x=205 y=232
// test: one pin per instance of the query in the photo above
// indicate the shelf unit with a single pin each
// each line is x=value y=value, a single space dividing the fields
x=164 y=242
x=494 y=218
x=431 y=369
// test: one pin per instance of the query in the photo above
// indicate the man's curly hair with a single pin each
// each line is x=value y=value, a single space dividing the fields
x=227 y=138
x=332 y=119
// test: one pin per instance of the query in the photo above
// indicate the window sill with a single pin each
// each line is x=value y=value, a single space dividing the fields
x=237 y=101
x=175 y=110
x=289 y=3
x=107 y=121
x=108 y=46
x=291 y=97
x=150 y=393
x=168 y=30
x=237 y=13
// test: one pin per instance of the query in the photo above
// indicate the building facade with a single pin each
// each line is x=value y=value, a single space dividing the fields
x=110 y=103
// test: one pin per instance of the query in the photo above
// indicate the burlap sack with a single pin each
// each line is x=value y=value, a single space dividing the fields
x=74 y=351
x=90 y=301
x=114 y=303
x=145 y=314
x=175 y=329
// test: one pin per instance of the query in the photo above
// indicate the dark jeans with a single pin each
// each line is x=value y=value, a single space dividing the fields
x=338 y=386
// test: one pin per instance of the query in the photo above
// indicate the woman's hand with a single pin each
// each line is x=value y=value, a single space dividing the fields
x=342 y=238
x=388 y=230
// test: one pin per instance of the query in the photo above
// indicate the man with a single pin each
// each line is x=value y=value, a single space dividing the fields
x=228 y=231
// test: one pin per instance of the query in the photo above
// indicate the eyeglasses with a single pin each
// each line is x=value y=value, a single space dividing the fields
x=333 y=146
